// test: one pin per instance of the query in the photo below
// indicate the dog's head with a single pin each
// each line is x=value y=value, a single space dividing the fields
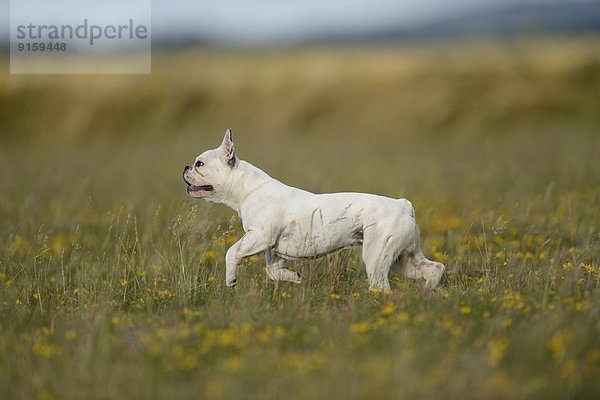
x=208 y=175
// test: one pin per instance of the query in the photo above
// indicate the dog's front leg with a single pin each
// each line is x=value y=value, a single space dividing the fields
x=251 y=243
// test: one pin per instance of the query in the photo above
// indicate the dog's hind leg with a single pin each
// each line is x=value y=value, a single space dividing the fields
x=277 y=271
x=378 y=255
x=412 y=263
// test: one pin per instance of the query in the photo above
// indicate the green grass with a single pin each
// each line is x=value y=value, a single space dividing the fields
x=112 y=279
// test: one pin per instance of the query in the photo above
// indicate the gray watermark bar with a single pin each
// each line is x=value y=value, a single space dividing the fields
x=80 y=37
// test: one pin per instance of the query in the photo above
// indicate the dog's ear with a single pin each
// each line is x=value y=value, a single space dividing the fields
x=227 y=149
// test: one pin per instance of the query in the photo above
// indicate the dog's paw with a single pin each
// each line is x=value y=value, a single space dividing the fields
x=231 y=283
x=297 y=279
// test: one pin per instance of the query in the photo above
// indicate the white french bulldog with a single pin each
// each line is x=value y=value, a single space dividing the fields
x=287 y=223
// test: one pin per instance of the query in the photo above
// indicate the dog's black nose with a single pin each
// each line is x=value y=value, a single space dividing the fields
x=186 y=168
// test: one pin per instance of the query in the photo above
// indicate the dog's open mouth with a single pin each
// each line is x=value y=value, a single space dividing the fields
x=203 y=188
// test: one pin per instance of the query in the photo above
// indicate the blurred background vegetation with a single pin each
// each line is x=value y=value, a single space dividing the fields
x=506 y=118
x=111 y=274
x=428 y=113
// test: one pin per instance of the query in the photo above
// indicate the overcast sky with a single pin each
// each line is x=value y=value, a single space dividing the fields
x=266 y=21
x=263 y=20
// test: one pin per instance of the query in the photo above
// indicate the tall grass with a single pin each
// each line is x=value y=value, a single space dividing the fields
x=112 y=279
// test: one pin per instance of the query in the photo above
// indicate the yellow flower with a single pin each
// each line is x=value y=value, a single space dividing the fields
x=215 y=389
x=188 y=362
x=155 y=350
x=513 y=300
x=388 y=309
x=569 y=371
x=70 y=334
x=59 y=244
x=302 y=363
x=227 y=338
x=19 y=244
x=186 y=313
x=464 y=310
x=360 y=327
x=559 y=343
x=42 y=348
x=209 y=257
x=589 y=268
x=582 y=305
x=231 y=364
x=165 y=294
x=384 y=291
x=496 y=351
x=47 y=331
x=279 y=331
x=403 y=317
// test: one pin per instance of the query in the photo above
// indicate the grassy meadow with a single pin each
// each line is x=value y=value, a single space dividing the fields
x=112 y=279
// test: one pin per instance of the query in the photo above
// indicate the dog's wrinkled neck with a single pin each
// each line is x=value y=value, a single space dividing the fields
x=244 y=179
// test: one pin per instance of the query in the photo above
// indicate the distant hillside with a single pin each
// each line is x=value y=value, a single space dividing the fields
x=498 y=21
x=568 y=18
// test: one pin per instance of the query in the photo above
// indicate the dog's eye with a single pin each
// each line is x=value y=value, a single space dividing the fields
x=199 y=164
